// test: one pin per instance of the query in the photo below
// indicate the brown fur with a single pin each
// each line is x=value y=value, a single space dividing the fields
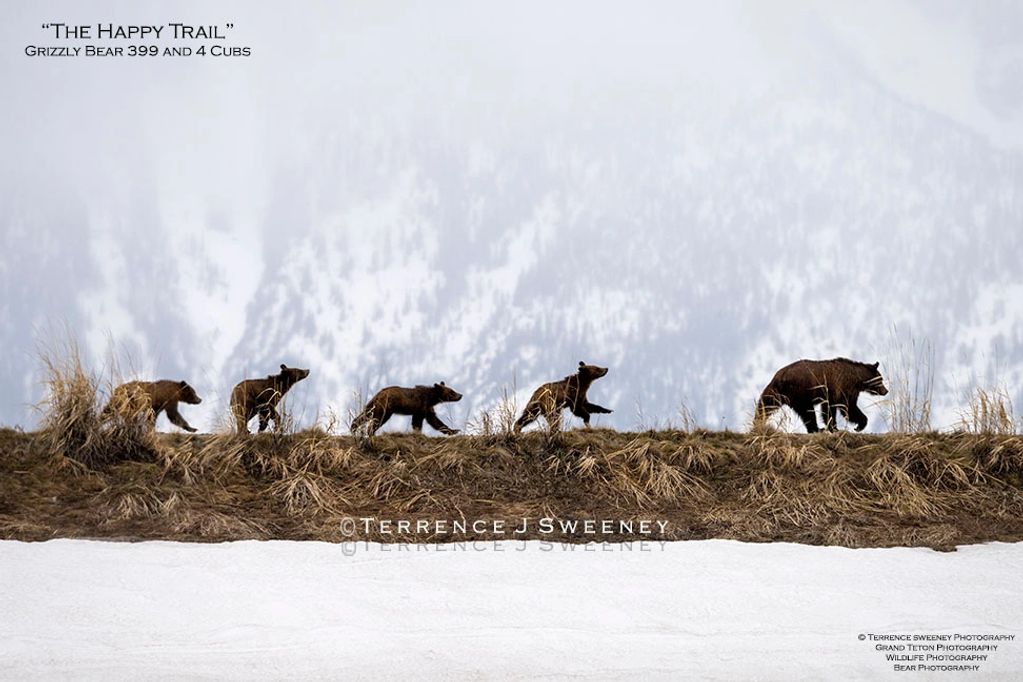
x=569 y=393
x=417 y=402
x=156 y=396
x=832 y=384
x=261 y=396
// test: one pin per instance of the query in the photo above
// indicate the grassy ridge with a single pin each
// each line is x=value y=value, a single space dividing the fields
x=856 y=490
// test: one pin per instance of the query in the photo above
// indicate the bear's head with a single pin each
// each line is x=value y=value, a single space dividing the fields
x=292 y=375
x=591 y=372
x=443 y=394
x=187 y=394
x=874 y=383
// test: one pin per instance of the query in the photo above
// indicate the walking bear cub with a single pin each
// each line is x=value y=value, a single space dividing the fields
x=832 y=384
x=261 y=396
x=417 y=402
x=551 y=398
x=156 y=396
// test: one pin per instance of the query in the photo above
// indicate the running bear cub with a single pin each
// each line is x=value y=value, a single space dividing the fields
x=156 y=396
x=832 y=384
x=261 y=396
x=551 y=398
x=417 y=402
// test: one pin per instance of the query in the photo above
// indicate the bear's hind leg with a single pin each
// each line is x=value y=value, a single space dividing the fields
x=828 y=415
x=769 y=402
x=378 y=420
x=368 y=418
x=809 y=417
x=552 y=415
x=417 y=422
x=241 y=418
x=529 y=415
x=359 y=421
x=265 y=415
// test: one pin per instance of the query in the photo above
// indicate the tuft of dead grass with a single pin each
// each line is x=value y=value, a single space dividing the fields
x=73 y=423
x=910 y=379
x=989 y=411
x=640 y=474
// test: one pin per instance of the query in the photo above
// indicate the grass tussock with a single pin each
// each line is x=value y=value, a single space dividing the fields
x=642 y=474
x=910 y=379
x=989 y=411
x=75 y=425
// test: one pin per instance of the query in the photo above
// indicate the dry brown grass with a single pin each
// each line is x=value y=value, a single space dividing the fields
x=909 y=376
x=832 y=488
x=641 y=474
x=90 y=474
x=989 y=410
x=75 y=425
x=497 y=421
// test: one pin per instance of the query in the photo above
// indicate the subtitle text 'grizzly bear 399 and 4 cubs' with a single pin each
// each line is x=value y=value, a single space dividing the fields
x=261 y=396
x=419 y=402
x=156 y=396
x=551 y=398
x=832 y=384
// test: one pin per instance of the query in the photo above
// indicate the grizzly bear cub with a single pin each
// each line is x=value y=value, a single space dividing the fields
x=551 y=398
x=832 y=384
x=155 y=396
x=261 y=396
x=417 y=402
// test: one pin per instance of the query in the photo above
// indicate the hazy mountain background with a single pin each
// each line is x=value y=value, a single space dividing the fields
x=487 y=193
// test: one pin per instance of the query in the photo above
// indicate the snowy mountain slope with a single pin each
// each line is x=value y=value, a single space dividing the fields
x=689 y=287
x=693 y=201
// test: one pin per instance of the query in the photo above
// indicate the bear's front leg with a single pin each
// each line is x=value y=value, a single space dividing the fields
x=529 y=415
x=828 y=414
x=434 y=421
x=593 y=408
x=583 y=414
x=857 y=417
x=175 y=418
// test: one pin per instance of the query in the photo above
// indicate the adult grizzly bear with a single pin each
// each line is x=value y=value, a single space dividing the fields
x=417 y=402
x=260 y=396
x=551 y=398
x=155 y=396
x=832 y=384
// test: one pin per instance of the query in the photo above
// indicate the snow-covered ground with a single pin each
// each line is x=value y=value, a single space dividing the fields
x=690 y=610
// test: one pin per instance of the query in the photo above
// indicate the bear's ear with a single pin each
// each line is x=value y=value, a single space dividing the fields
x=283 y=367
x=582 y=364
x=183 y=383
x=876 y=364
x=442 y=383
